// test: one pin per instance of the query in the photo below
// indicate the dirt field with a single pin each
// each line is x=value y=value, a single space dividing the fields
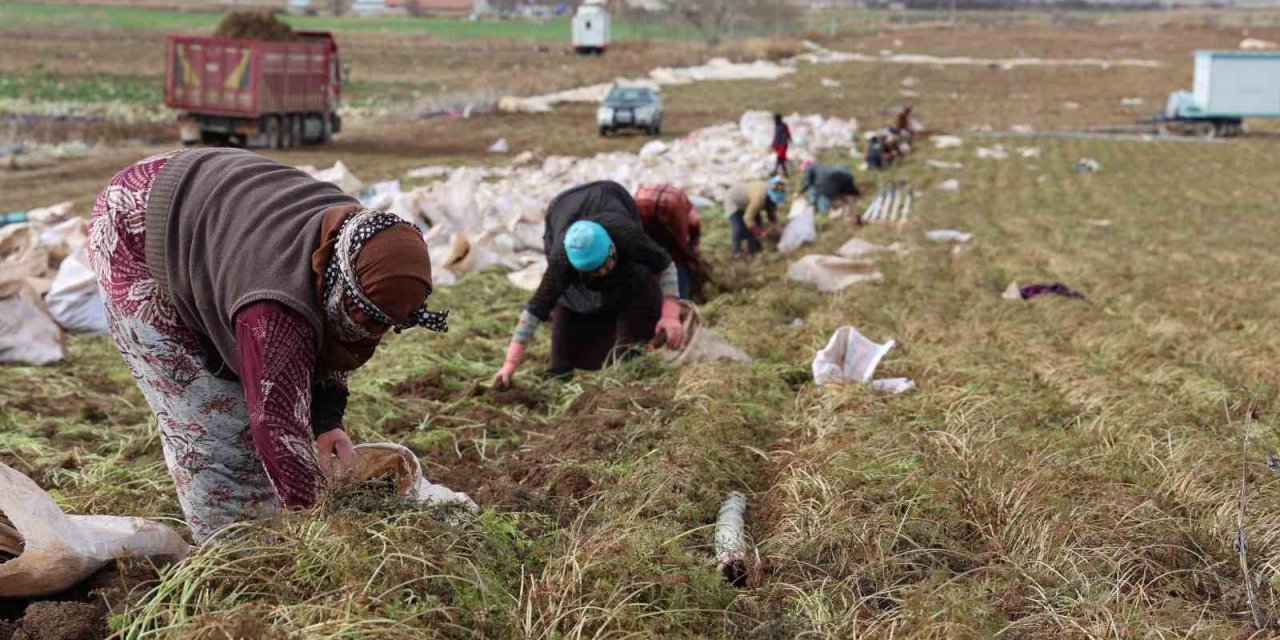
x=1065 y=469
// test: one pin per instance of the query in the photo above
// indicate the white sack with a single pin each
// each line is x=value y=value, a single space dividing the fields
x=64 y=238
x=730 y=536
x=528 y=278
x=378 y=459
x=341 y=176
x=948 y=235
x=50 y=214
x=832 y=273
x=379 y=194
x=992 y=153
x=1254 y=44
x=27 y=334
x=800 y=227
x=74 y=300
x=895 y=386
x=653 y=148
x=848 y=357
x=501 y=146
x=942 y=164
x=946 y=142
x=857 y=247
x=950 y=185
x=60 y=550
x=701 y=344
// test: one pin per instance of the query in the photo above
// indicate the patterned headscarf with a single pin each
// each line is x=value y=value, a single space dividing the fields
x=340 y=277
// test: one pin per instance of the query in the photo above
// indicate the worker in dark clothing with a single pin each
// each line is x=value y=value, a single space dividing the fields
x=875 y=154
x=608 y=285
x=827 y=184
x=781 y=142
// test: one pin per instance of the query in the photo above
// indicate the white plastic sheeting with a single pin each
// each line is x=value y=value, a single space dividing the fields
x=58 y=550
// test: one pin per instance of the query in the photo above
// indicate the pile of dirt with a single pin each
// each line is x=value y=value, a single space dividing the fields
x=431 y=386
x=547 y=473
x=254 y=25
x=80 y=613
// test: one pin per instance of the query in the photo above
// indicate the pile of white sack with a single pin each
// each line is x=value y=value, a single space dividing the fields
x=478 y=218
x=46 y=286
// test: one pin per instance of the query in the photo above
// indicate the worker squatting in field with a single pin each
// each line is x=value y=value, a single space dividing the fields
x=608 y=285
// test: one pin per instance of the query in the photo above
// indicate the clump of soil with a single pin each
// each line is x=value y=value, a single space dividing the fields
x=80 y=613
x=254 y=25
x=62 y=621
x=429 y=386
x=375 y=495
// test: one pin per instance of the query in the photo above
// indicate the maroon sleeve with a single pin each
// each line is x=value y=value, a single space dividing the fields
x=276 y=349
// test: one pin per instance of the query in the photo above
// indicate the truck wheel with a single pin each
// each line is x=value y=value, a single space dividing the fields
x=286 y=133
x=295 y=131
x=604 y=132
x=275 y=133
x=1206 y=129
x=326 y=130
x=654 y=129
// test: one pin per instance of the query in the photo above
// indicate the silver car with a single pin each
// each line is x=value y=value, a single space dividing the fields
x=630 y=108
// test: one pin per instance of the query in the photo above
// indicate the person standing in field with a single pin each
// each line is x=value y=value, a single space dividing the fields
x=781 y=143
x=752 y=201
x=240 y=292
x=827 y=184
x=608 y=285
x=671 y=220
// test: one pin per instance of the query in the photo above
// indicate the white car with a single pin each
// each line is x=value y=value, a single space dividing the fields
x=630 y=108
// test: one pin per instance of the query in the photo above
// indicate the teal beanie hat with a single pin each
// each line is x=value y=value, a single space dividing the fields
x=587 y=245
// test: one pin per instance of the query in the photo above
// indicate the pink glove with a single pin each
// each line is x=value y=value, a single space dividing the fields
x=670 y=324
x=515 y=356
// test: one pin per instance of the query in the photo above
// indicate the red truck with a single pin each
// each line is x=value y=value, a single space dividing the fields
x=255 y=93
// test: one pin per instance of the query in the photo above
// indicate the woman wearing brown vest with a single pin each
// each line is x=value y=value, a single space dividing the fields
x=240 y=291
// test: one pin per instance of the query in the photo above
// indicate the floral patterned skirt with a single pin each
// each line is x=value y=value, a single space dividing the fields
x=202 y=419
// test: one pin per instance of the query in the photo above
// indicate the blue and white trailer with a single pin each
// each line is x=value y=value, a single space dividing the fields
x=1229 y=87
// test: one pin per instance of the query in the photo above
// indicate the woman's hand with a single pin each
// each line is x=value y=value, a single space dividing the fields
x=336 y=444
x=669 y=324
x=515 y=356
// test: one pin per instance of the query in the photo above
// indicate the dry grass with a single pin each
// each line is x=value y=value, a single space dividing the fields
x=1064 y=469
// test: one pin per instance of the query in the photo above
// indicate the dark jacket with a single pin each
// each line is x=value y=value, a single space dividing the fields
x=831 y=181
x=612 y=207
